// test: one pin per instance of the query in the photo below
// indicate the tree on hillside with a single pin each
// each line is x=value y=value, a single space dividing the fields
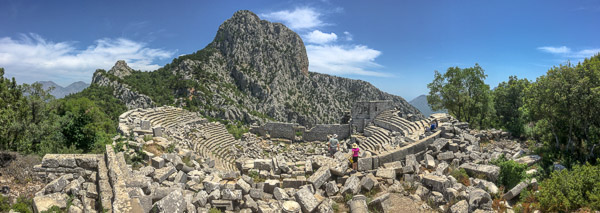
x=464 y=93
x=508 y=101
x=564 y=104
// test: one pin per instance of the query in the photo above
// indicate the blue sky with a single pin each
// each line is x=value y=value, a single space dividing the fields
x=396 y=45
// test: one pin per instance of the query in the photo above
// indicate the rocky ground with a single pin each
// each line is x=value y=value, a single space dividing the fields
x=292 y=179
x=17 y=178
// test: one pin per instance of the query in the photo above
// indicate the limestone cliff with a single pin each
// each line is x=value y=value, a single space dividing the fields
x=122 y=91
x=256 y=70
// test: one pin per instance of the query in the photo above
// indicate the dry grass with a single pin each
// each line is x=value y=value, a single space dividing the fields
x=155 y=149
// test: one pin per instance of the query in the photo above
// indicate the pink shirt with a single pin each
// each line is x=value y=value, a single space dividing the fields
x=355 y=152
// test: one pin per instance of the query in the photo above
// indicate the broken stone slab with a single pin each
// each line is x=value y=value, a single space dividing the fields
x=378 y=202
x=294 y=182
x=280 y=194
x=163 y=173
x=386 y=173
x=485 y=185
x=157 y=162
x=479 y=199
x=58 y=160
x=460 y=207
x=368 y=182
x=200 y=199
x=228 y=194
x=339 y=169
x=307 y=200
x=243 y=185
x=358 y=204
x=396 y=166
x=529 y=160
x=449 y=155
x=210 y=186
x=263 y=164
x=365 y=164
x=429 y=161
x=436 y=183
x=225 y=204
x=250 y=203
x=181 y=177
x=290 y=207
x=230 y=175
x=331 y=188
x=491 y=172
x=319 y=177
x=58 y=184
x=45 y=202
x=270 y=185
x=91 y=191
x=515 y=191
x=256 y=193
x=352 y=185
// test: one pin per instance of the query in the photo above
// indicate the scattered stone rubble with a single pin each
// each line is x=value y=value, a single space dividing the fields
x=290 y=179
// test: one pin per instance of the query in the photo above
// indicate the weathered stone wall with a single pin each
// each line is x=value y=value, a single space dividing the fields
x=289 y=130
x=365 y=111
x=82 y=175
x=277 y=130
x=320 y=132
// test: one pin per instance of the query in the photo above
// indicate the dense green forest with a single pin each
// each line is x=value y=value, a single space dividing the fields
x=33 y=121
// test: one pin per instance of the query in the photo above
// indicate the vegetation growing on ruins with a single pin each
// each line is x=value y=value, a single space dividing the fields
x=569 y=190
x=557 y=110
x=557 y=115
x=511 y=172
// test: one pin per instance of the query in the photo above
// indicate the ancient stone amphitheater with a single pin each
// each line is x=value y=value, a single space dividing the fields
x=201 y=167
x=187 y=129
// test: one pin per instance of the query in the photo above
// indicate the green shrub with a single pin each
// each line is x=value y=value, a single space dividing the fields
x=237 y=130
x=214 y=210
x=4 y=204
x=511 y=172
x=23 y=205
x=570 y=190
x=461 y=176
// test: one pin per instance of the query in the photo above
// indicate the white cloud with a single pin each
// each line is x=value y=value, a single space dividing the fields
x=555 y=50
x=348 y=36
x=32 y=58
x=319 y=37
x=324 y=55
x=299 y=18
x=564 y=51
x=343 y=60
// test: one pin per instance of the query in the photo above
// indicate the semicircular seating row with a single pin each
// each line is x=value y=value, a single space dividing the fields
x=214 y=144
x=379 y=133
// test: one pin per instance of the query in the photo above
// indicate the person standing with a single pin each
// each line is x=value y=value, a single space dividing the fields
x=334 y=145
x=355 y=152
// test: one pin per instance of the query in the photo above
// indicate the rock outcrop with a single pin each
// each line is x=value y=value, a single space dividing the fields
x=122 y=91
x=252 y=71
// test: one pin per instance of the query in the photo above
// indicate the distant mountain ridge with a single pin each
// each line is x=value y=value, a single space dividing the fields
x=60 y=92
x=421 y=104
x=253 y=71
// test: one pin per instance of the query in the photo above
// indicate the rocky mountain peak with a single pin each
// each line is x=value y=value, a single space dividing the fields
x=120 y=69
x=247 y=39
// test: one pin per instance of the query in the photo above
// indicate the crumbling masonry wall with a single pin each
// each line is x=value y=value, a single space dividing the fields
x=364 y=112
x=291 y=130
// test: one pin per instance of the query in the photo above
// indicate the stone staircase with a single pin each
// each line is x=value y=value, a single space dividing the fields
x=377 y=139
x=380 y=134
